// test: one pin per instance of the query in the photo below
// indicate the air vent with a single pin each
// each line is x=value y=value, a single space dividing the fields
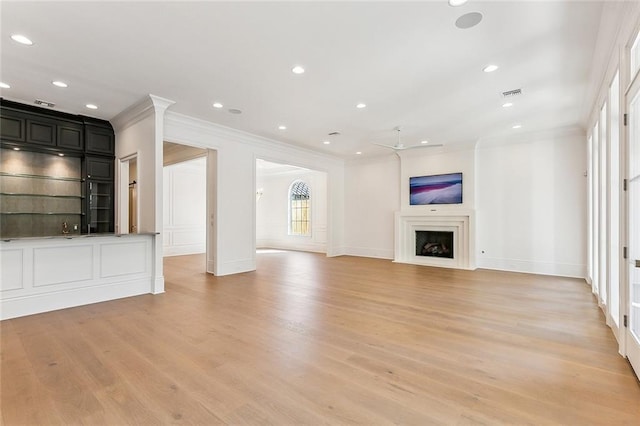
x=44 y=103
x=334 y=134
x=511 y=93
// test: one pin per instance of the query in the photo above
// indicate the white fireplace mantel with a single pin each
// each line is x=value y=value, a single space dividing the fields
x=460 y=221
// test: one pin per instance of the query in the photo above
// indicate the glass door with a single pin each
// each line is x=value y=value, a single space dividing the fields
x=633 y=225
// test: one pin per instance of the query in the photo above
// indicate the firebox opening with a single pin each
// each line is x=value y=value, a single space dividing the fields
x=434 y=244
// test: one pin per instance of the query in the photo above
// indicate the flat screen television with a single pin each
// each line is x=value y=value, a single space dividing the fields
x=435 y=189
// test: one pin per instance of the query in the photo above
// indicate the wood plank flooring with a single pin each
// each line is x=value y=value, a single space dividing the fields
x=313 y=340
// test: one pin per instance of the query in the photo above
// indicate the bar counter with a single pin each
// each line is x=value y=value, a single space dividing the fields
x=62 y=271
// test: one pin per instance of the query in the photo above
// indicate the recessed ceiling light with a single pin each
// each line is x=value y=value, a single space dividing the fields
x=16 y=149
x=4 y=85
x=490 y=68
x=517 y=126
x=60 y=154
x=424 y=142
x=59 y=83
x=217 y=105
x=326 y=142
x=359 y=153
x=297 y=70
x=91 y=106
x=21 y=39
x=469 y=20
x=361 y=105
x=456 y=3
x=507 y=105
x=282 y=127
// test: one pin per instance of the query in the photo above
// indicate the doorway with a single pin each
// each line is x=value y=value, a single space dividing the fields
x=291 y=207
x=633 y=225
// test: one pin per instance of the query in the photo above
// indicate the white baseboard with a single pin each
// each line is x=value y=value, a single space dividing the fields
x=168 y=251
x=533 y=267
x=369 y=252
x=45 y=302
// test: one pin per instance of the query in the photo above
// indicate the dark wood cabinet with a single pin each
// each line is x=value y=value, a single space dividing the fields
x=12 y=128
x=41 y=130
x=99 y=140
x=70 y=136
x=99 y=168
x=100 y=206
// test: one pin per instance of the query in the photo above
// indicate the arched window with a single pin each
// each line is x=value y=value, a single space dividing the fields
x=299 y=209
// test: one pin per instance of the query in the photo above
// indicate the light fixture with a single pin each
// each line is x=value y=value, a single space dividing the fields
x=326 y=142
x=297 y=70
x=359 y=153
x=469 y=20
x=21 y=39
x=507 y=105
x=361 y=105
x=4 y=85
x=281 y=127
x=517 y=126
x=217 y=105
x=490 y=68
x=59 y=83
x=424 y=142
x=456 y=3
x=91 y=106
x=60 y=154
x=16 y=149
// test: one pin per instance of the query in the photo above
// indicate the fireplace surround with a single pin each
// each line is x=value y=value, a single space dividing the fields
x=459 y=224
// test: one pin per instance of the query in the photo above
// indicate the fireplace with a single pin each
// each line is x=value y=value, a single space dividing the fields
x=442 y=238
x=434 y=244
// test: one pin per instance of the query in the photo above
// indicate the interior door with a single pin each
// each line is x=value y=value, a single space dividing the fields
x=633 y=225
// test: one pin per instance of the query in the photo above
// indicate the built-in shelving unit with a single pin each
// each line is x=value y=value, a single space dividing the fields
x=56 y=173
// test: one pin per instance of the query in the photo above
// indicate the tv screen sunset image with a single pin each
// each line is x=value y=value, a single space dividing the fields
x=437 y=189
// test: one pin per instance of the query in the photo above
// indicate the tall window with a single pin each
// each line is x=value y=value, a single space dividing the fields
x=299 y=209
x=614 y=194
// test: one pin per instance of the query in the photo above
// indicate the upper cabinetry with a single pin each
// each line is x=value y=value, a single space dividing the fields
x=38 y=129
x=43 y=136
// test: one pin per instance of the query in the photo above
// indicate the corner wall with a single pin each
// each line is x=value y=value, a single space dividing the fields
x=532 y=203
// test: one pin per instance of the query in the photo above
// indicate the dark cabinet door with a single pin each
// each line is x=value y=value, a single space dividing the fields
x=70 y=136
x=11 y=128
x=41 y=132
x=99 y=168
x=99 y=140
x=100 y=206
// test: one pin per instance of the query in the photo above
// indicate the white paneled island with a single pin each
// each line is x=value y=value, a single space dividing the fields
x=49 y=273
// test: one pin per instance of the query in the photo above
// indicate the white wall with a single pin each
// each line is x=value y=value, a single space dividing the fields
x=532 y=203
x=139 y=131
x=184 y=202
x=232 y=219
x=372 y=195
x=272 y=210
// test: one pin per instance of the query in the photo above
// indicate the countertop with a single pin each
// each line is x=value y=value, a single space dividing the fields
x=75 y=236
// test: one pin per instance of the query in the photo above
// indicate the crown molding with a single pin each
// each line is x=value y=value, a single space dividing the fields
x=144 y=108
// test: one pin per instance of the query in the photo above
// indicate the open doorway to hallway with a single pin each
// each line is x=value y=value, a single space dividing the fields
x=184 y=200
x=291 y=207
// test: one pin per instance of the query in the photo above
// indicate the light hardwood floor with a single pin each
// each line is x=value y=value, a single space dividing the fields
x=313 y=340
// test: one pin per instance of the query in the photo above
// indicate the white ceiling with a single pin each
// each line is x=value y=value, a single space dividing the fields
x=407 y=61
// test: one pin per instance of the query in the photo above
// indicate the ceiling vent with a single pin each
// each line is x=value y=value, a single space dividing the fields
x=44 y=103
x=512 y=93
x=334 y=134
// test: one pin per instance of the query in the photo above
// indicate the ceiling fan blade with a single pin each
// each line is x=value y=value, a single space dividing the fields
x=388 y=146
x=424 y=146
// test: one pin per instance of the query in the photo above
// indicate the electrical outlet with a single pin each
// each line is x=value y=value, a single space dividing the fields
x=75 y=226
